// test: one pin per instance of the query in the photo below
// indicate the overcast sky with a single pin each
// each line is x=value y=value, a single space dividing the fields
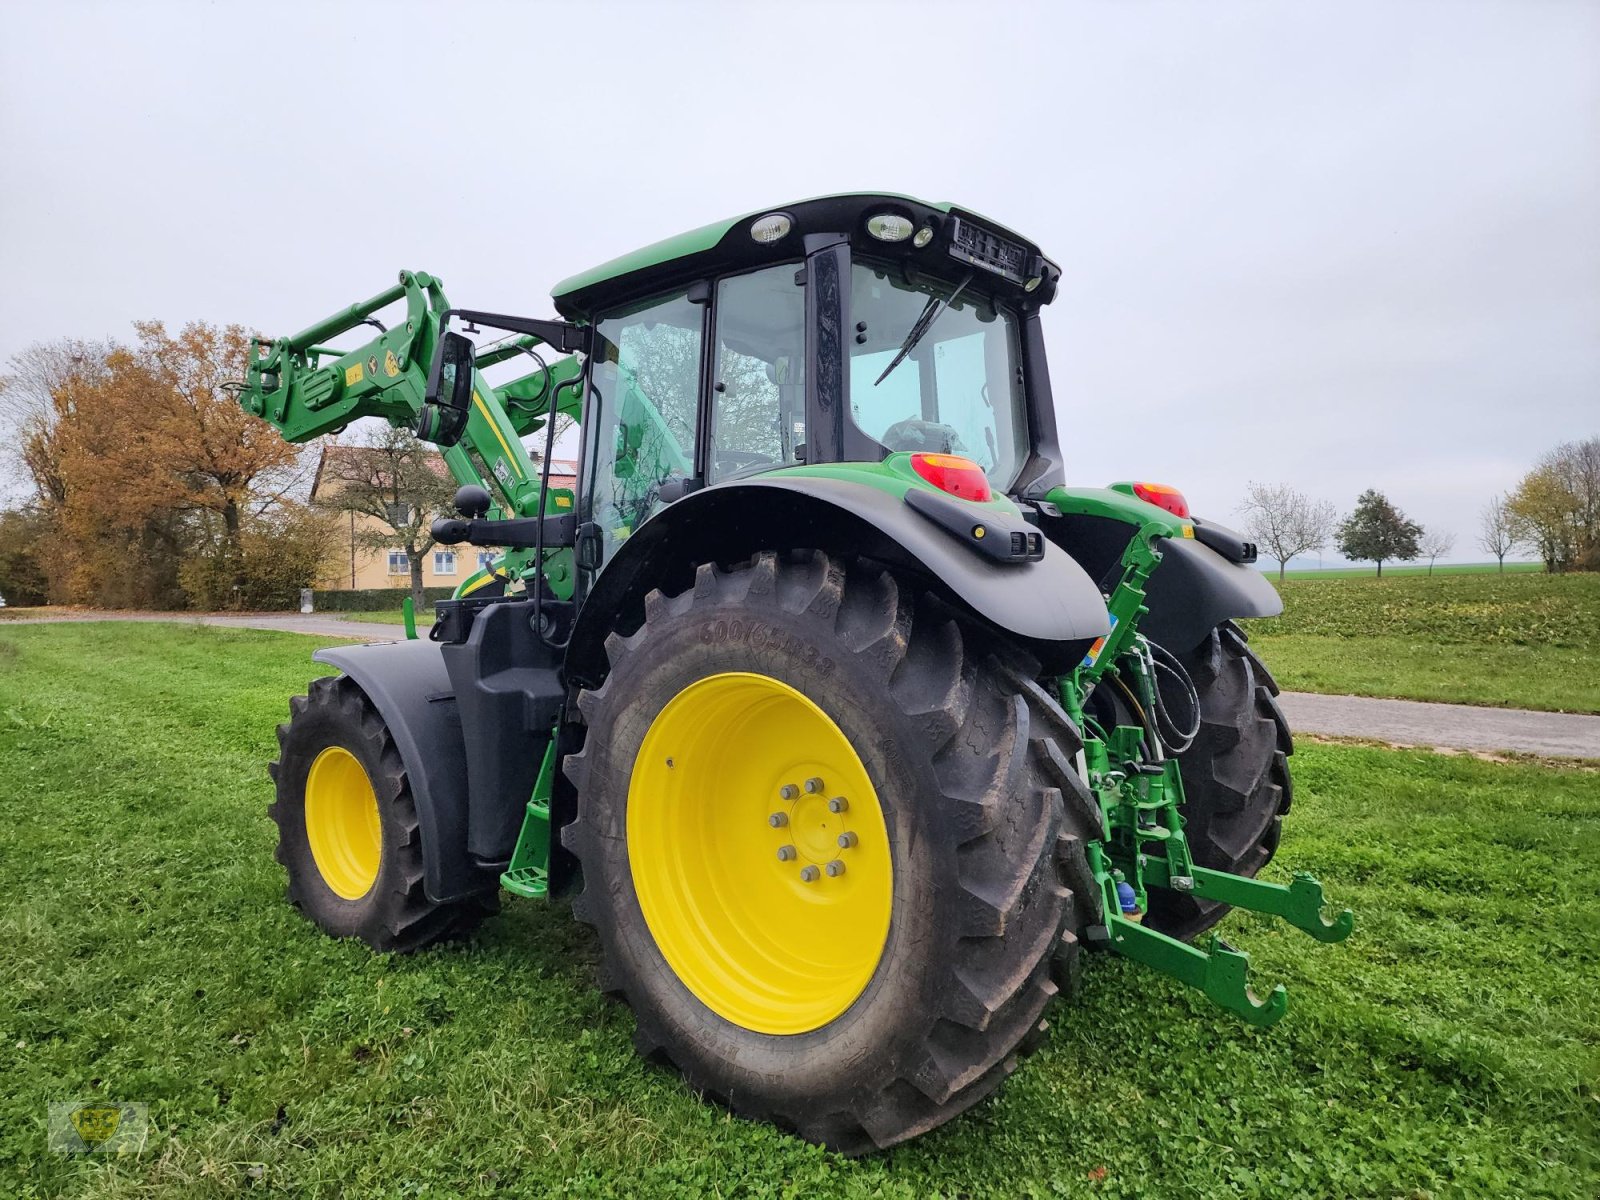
x=1344 y=245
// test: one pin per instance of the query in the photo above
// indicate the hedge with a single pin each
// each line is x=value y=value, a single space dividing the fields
x=372 y=599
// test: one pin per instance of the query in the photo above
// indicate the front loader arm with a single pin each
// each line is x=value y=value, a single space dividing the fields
x=306 y=388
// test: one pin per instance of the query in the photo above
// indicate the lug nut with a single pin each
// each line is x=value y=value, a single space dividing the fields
x=786 y=853
x=809 y=874
x=846 y=840
x=813 y=785
x=835 y=868
x=778 y=820
x=788 y=791
x=838 y=804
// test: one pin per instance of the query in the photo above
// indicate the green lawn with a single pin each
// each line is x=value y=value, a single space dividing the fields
x=1521 y=640
x=1449 y=1048
x=1403 y=570
x=386 y=616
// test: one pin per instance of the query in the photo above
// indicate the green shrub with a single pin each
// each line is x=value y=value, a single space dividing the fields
x=371 y=599
x=278 y=555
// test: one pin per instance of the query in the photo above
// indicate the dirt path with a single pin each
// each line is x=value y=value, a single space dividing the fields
x=1405 y=722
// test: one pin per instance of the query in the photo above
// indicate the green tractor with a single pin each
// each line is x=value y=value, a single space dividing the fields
x=848 y=725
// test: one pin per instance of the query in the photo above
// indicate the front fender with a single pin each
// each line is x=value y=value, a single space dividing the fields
x=409 y=686
x=1051 y=605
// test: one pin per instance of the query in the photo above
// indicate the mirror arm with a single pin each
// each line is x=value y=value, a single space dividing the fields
x=565 y=337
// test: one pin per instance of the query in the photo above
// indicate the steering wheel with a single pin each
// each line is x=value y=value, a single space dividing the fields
x=739 y=459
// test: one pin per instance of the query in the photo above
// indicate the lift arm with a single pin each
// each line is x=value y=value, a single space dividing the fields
x=305 y=389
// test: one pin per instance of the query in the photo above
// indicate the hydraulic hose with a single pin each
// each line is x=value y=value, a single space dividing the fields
x=1177 y=740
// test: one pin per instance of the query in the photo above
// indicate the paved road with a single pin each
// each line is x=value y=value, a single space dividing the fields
x=1406 y=722
x=329 y=626
x=1455 y=726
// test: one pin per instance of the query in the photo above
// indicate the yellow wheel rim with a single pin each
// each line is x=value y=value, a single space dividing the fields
x=759 y=853
x=342 y=823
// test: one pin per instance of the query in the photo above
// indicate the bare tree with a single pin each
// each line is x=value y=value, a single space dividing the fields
x=1285 y=521
x=1435 y=544
x=34 y=394
x=398 y=481
x=1497 y=533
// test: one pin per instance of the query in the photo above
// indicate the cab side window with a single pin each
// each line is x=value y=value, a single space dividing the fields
x=644 y=391
x=758 y=397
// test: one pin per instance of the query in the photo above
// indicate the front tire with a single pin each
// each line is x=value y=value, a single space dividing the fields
x=890 y=1008
x=348 y=833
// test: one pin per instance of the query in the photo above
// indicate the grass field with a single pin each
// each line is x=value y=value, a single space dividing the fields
x=1522 y=640
x=1449 y=1048
x=1391 y=570
x=386 y=616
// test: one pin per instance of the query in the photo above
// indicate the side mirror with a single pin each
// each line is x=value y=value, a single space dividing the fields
x=448 y=401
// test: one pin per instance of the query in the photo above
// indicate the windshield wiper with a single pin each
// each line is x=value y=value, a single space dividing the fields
x=924 y=322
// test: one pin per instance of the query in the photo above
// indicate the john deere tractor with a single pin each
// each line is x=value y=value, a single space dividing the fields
x=847 y=724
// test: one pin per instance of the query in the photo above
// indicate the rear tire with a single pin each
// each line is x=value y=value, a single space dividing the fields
x=333 y=725
x=984 y=814
x=1236 y=783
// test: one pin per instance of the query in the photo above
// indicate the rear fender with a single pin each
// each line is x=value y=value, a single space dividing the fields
x=1050 y=605
x=1194 y=589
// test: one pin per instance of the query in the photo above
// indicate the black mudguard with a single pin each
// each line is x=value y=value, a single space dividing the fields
x=409 y=686
x=1193 y=591
x=1051 y=604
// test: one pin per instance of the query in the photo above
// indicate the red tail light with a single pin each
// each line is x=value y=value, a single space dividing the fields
x=1162 y=496
x=954 y=474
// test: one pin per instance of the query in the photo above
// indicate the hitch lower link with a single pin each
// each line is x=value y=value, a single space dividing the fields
x=1141 y=810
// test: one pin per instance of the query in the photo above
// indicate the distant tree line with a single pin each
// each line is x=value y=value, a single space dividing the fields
x=1554 y=511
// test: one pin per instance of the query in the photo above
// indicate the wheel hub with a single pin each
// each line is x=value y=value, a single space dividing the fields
x=759 y=853
x=342 y=823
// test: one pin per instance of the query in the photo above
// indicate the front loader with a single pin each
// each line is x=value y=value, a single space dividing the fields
x=846 y=723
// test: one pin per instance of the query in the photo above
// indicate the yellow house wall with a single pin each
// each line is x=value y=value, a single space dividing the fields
x=357 y=566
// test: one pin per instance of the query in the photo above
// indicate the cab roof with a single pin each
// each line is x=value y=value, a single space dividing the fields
x=727 y=245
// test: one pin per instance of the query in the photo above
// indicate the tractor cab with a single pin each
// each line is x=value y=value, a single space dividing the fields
x=843 y=329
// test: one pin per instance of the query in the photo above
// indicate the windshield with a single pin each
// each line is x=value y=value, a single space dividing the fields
x=958 y=391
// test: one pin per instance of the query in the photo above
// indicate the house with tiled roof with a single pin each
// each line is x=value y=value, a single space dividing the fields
x=358 y=564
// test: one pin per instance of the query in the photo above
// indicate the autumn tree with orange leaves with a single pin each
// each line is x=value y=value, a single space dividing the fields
x=156 y=486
